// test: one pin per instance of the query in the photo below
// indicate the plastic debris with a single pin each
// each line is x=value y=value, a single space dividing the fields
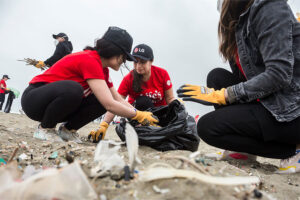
x=23 y=156
x=158 y=173
x=70 y=156
x=30 y=171
x=107 y=159
x=103 y=197
x=67 y=183
x=132 y=144
x=54 y=155
x=2 y=162
x=161 y=191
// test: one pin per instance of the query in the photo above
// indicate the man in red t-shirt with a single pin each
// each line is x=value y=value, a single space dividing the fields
x=146 y=86
x=3 y=90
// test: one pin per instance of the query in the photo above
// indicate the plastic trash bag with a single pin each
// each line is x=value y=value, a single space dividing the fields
x=176 y=129
x=107 y=159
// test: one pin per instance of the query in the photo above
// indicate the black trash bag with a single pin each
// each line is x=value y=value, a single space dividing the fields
x=177 y=129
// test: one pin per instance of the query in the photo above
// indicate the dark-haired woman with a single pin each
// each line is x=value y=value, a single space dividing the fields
x=258 y=103
x=77 y=89
x=146 y=86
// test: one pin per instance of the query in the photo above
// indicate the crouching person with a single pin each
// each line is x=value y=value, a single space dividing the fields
x=77 y=89
x=258 y=105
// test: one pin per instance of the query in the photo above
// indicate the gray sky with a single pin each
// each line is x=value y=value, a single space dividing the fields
x=182 y=33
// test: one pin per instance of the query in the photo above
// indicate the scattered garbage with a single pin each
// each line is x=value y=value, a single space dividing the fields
x=257 y=194
x=30 y=171
x=158 y=173
x=70 y=156
x=54 y=155
x=2 y=162
x=103 y=197
x=67 y=183
x=106 y=159
x=132 y=144
x=23 y=156
x=161 y=191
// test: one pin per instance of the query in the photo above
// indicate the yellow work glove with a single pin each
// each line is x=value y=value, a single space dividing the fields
x=201 y=94
x=100 y=133
x=145 y=118
x=40 y=65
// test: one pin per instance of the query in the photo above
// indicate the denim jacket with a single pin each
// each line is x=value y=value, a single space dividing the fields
x=268 y=42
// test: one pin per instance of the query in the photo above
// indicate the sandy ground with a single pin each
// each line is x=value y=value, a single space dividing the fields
x=16 y=128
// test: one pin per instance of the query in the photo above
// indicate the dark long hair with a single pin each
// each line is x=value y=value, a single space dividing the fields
x=137 y=81
x=105 y=49
x=230 y=13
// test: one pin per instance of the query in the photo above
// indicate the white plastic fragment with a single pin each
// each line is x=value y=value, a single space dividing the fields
x=23 y=156
x=161 y=191
x=67 y=183
x=106 y=159
x=132 y=143
x=158 y=173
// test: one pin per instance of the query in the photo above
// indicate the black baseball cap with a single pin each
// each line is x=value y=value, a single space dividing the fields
x=63 y=35
x=5 y=76
x=121 y=39
x=143 y=51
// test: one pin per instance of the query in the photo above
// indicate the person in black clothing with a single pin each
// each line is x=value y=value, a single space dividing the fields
x=10 y=99
x=63 y=48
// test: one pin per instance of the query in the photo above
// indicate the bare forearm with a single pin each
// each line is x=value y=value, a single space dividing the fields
x=118 y=108
x=109 y=117
x=170 y=100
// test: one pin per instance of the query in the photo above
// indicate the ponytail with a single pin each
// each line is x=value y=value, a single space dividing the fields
x=137 y=82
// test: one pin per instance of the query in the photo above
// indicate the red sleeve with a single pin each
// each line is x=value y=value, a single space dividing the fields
x=125 y=85
x=167 y=81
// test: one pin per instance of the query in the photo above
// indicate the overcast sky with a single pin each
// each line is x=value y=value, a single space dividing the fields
x=182 y=34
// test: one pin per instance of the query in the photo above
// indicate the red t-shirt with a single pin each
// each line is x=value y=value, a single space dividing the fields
x=2 y=82
x=237 y=60
x=154 y=88
x=77 y=67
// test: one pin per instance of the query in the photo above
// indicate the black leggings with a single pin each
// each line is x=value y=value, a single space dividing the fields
x=248 y=128
x=60 y=101
x=2 y=99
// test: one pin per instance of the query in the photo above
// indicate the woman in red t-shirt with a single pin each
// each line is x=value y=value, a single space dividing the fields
x=146 y=86
x=77 y=89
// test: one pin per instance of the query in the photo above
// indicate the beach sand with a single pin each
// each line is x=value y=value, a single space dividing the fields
x=15 y=128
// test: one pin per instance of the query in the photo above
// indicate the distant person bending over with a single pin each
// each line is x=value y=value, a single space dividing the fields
x=146 y=86
x=77 y=89
x=63 y=48
x=258 y=105
x=3 y=90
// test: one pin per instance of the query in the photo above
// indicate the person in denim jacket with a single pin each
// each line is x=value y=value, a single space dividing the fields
x=258 y=103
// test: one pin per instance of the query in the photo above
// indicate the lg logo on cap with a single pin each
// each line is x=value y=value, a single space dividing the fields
x=139 y=50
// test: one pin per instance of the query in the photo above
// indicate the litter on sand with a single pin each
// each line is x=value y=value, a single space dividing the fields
x=158 y=173
x=68 y=183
